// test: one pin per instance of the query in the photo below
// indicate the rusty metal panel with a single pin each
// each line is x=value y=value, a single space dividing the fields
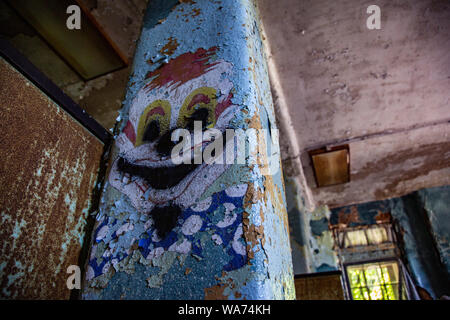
x=47 y=176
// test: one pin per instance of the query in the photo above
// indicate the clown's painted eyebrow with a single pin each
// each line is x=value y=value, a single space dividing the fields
x=156 y=110
x=200 y=97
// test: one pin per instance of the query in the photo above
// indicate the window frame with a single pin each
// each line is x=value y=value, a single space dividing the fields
x=401 y=280
x=390 y=250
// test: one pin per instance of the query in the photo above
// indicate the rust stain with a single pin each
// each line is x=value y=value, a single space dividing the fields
x=252 y=233
x=170 y=47
x=344 y=219
x=252 y=196
x=216 y=292
x=48 y=172
x=383 y=217
x=254 y=122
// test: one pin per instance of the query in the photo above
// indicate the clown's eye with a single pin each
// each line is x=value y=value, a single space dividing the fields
x=199 y=105
x=202 y=115
x=153 y=122
x=151 y=132
x=165 y=144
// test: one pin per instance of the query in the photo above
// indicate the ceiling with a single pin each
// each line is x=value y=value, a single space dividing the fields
x=102 y=96
x=385 y=93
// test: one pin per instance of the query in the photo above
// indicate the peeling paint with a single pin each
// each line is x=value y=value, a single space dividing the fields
x=311 y=238
x=49 y=170
x=232 y=232
x=170 y=47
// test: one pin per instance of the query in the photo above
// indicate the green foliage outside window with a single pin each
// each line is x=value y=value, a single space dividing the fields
x=374 y=281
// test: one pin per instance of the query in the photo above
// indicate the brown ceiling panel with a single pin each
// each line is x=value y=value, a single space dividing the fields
x=331 y=166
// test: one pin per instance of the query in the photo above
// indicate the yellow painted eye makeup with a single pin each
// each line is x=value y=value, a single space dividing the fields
x=154 y=121
x=199 y=105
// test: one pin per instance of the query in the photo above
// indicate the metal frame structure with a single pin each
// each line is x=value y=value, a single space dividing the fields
x=16 y=59
x=390 y=250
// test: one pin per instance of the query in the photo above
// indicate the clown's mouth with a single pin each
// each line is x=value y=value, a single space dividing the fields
x=164 y=217
x=157 y=177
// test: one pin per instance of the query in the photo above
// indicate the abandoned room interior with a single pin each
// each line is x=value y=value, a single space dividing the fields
x=343 y=192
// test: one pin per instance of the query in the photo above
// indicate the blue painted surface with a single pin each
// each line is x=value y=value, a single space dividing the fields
x=146 y=244
x=250 y=257
x=437 y=206
x=319 y=226
x=311 y=240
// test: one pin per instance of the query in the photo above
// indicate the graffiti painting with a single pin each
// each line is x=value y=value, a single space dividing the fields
x=188 y=88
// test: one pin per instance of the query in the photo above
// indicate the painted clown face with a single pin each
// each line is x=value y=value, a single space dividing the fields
x=188 y=88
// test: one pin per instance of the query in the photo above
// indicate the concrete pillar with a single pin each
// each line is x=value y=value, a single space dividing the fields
x=194 y=231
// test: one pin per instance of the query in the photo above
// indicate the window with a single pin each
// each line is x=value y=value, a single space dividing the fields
x=373 y=235
x=374 y=281
x=370 y=258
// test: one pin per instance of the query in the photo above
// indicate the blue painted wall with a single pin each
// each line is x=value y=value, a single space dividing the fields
x=311 y=240
x=436 y=202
